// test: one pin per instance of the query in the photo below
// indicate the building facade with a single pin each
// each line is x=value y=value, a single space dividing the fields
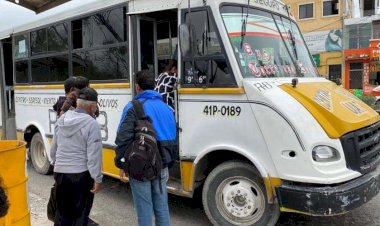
x=321 y=23
x=361 y=45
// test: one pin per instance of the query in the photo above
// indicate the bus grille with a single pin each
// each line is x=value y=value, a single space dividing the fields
x=362 y=148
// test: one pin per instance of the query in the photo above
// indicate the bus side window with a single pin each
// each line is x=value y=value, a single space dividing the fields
x=209 y=67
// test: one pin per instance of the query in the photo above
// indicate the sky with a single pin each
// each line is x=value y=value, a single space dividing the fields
x=12 y=15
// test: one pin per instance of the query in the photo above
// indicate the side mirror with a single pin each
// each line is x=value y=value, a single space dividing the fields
x=185 y=37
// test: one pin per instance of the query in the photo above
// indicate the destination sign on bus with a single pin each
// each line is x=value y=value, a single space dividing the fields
x=272 y=5
x=104 y=103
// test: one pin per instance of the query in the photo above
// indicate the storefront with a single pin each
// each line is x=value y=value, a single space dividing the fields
x=363 y=68
x=326 y=48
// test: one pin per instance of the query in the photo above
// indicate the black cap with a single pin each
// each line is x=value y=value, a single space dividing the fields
x=88 y=94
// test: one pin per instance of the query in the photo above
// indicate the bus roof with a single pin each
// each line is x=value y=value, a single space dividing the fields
x=75 y=8
x=70 y=9
x=276 y=6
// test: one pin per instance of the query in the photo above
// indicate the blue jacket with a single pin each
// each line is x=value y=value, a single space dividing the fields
x=163 y=122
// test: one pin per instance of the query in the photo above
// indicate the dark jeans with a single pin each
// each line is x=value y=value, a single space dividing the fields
x=74 y=199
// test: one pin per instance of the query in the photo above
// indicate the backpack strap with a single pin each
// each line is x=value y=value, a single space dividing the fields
x=139 y=110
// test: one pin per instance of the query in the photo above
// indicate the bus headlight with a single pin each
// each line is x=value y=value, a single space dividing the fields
x=325 y=154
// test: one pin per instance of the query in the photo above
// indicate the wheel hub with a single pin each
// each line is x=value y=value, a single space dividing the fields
x=239 y=200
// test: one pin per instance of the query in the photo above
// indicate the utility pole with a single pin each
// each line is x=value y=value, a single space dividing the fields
x=344 y=13
x=3 y=95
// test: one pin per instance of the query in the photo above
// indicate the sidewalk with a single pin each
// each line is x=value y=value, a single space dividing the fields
x=38 y=211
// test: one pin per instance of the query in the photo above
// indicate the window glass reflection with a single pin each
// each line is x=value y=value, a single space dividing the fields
x=101 y=29
x=21 y=71
x=102 y=64
x=50 y=69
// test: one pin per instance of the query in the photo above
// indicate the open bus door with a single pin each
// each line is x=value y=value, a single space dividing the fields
x=143 y=48
x=147 y=44
x=7 y=91
x=153 y=42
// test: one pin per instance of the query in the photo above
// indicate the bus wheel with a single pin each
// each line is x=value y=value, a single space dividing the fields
x=38 y=154
x=234 y=194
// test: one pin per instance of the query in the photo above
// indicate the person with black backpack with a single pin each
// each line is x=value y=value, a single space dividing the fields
x=146 y=147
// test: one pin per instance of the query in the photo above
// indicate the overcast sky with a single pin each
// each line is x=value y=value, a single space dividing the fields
x=12 y=15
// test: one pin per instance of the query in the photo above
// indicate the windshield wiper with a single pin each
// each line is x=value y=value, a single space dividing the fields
x=293 y=42
x=243 y=32
x=291 y=33
x=243 y=28
x=243 y=25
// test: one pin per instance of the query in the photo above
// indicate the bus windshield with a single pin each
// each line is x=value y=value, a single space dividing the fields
x=266 y=44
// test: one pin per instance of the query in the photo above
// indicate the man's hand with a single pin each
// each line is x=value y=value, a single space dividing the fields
x=123 y=176
x=96 y=188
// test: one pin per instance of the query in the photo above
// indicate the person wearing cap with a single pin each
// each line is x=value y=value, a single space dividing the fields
x=76 y=154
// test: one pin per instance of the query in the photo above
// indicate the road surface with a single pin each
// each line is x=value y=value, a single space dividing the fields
x=113 y=207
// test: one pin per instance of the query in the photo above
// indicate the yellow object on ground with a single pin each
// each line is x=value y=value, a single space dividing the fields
x=13 y=174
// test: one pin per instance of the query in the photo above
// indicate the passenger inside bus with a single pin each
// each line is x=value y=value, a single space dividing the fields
x=166 y=83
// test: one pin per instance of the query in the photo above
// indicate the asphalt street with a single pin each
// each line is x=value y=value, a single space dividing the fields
x=113 y=207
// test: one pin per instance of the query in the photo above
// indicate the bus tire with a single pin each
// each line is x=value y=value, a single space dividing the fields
x=38 y=155
x=234 y=194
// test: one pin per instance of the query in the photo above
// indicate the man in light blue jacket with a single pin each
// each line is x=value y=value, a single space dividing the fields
x=76 y=153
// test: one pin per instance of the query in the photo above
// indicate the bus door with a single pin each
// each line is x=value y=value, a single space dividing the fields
x=156 y=40
x=147 y=56
x=156 y=44
x=142 y=45
x=7 y=92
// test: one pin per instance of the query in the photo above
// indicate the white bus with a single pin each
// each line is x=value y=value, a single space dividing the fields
x=260 y=132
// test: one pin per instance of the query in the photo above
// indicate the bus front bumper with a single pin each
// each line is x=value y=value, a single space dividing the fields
x=329 y=200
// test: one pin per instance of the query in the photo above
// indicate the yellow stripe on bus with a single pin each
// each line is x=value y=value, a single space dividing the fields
x=239 y=90
x=110 y=85
x=108 y=165
x=95 y=86
x=187 y=174
x=270 y=183
x=284 y=209
x=25 y=87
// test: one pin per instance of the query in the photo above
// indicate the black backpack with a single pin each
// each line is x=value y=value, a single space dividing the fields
x=142 y=159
